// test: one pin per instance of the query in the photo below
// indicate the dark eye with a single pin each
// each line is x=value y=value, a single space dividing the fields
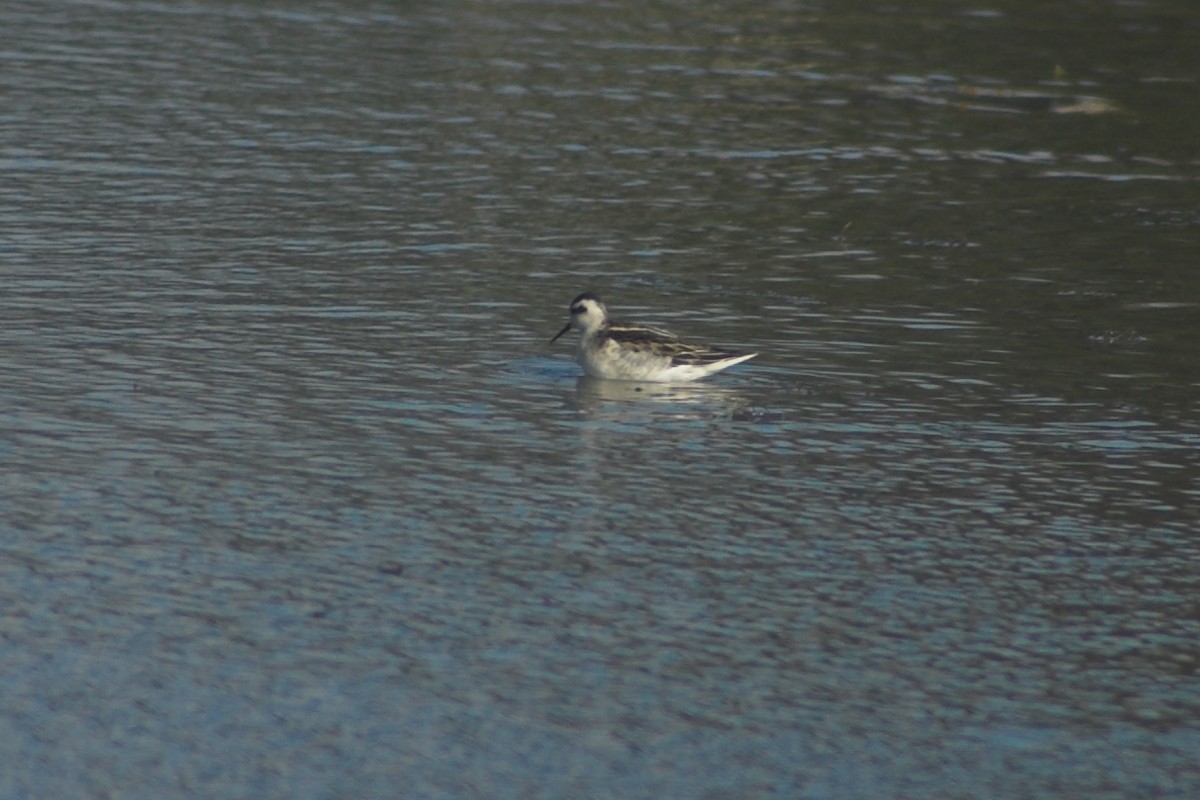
x=579 y=310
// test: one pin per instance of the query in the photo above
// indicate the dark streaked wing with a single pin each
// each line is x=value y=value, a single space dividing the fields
x=689 y=354
x=638 y=335
x=643 y=337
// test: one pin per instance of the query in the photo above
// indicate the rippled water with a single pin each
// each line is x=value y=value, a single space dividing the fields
x=297 y=501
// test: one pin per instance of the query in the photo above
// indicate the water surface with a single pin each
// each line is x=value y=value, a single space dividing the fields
x=297 y=501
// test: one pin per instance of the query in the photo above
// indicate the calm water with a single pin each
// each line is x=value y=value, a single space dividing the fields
x=297 y=501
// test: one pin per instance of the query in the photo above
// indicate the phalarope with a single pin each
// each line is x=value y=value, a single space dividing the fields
x=620 y=351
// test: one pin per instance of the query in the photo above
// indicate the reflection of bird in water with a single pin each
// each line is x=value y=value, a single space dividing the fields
x=629 y=401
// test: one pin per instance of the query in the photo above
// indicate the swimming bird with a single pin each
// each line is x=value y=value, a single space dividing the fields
x=621 y=351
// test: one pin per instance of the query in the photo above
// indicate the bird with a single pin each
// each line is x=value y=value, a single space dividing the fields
x=627 y=352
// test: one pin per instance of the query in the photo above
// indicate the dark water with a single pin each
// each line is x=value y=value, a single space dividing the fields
x=296 y=500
